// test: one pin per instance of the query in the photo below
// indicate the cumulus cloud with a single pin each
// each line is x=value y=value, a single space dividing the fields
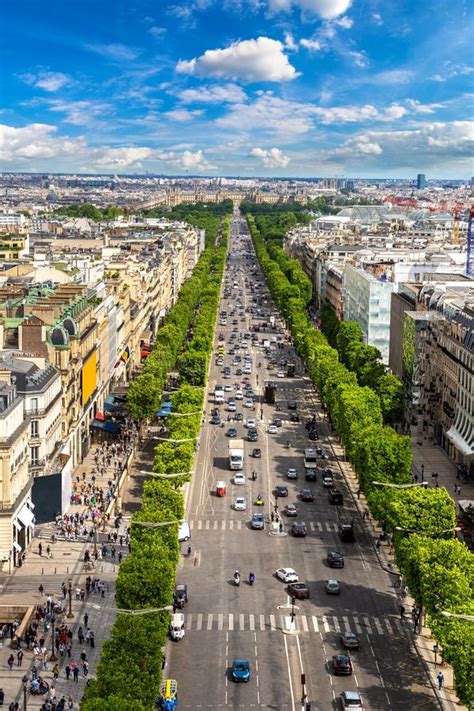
x=183 y=115
x=311 y=45
x=117 y=158
x=36 y=141
x=46 y=80
x=326 y=9
x=377 y=18
x=271 y=158
x=190 y=160
x=418 y=108
x=255 y=60
x=215 y=94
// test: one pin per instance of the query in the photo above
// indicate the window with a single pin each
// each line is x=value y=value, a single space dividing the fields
x=34 y=404
x=34 y=455
x=34 y=432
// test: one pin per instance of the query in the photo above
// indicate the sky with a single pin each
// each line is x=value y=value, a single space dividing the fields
x=302 y=88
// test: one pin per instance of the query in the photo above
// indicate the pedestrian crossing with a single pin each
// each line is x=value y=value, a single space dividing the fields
x=233 y=524
x=324 y=624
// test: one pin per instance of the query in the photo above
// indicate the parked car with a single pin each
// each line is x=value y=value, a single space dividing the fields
x=180 y=595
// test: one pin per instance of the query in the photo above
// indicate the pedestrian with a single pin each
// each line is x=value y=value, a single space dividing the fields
x=85 y=668
x=378 y=544
x=2 y=697
x=86 y=619
x=41 y=590
x=366 y=514
x=80 y=635
x=75 y=673
x=70 y=703
x=280 y=527
x=68 y=648
x=120 y=557
x=67 y=669
x=402 y=612
x=358 y=493
x=92 y=639
x=440 y=679
x=83 y=656
x=48 y=551
x=11 y=661
x=19 y=657
x=55 y=672
x=40 y=549
x=272 y=517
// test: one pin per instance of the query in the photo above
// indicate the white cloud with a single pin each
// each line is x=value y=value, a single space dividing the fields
x=344 y=22
x=359 y=59
x=216 y=94
x=157 y=32
x=255 y=60
x=418 y=108
x=192 y=161
x=311 y=45
x=391 y=77
x=271 y=158
x=115 y=52
x=49 y=81
x=290 y=43
x=36 y=141
x=78 y=113
x=326 y=9
x=183 y=115
x=119 y=158
x=377 y=18
x=451 y=70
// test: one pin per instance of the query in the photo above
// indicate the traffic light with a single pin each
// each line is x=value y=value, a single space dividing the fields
x=293 y=599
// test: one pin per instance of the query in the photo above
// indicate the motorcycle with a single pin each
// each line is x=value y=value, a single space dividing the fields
x=251 y=579
x=259 y=501
x=237 y=579
x=254 y=476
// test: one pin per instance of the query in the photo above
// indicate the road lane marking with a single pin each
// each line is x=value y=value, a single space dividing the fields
x=209 y=621
x=191 y=525
x=389 y=627
x=189 y=621
x=241 y=622
x=252 y=623
x=208 y=525
x=336 y=624
x=272 y=623
x=304 y=623
x=231 y=622
x=231 y=524
x=239 y=525
x=346 y=624
x=357 y=625
x=220 y=622
x=289 y=673
x=378 y=626
x=224 y=525
x=325 y=624
x=315 y=623
x=199 y=525
x=262 y=622
x=215 y=525
x=199 y=621
x=367 y=624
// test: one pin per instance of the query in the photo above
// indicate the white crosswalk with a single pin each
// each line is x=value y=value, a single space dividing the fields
x=239 y=524
x=305 y=623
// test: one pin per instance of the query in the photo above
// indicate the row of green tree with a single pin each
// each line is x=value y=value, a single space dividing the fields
x=365 y=361
x=90 y=212
x=183 y=211
x=130 y=667
x=438 y=569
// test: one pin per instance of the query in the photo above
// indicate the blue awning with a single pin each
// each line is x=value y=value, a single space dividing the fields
x=105 y=426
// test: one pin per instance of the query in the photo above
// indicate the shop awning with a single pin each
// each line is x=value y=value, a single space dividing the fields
x=17 y=526
x=105 y=426
x=26 y=516
x=17 y=547
x=459 y=442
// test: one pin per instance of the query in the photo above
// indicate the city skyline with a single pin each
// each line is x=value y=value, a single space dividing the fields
x=264 y=88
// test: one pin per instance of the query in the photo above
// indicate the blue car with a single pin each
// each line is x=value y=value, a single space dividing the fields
x=241 y=670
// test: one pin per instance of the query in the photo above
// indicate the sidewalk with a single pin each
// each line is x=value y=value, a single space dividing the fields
x=66 y=564
x=430 y=459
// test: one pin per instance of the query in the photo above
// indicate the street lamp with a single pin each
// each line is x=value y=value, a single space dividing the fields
x=459 y=616
x=69 y=590
x=425 y=533
x=424 y=484
x=25 y=691
x=53 y=657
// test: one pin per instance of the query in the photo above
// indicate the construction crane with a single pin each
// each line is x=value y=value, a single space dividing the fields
x=470 y=245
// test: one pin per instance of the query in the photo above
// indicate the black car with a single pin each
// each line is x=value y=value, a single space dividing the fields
x=299 y=530
x=346 y=532
x=281 y=491
x=307 y=495
x=252 y=435
x=341 y=664
x=335 y=559
x=277 y=421
x=231 y=432
x=310 y=475
x=180 y=595
x=294 y=417
x=292 y=406
x=312 y=435
x=238 y=417
x=215 y=420
x=298 y=590
x=257 y=453
x=336 y=498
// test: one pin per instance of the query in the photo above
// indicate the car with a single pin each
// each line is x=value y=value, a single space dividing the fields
x=307 y=495
x=350 y=701
x=226 y=375
x=350 y=640
x=332 y=587
x=288 y=575
x=346 y=532
x=220 y=362
x=251 y=424
x=228 y=388
x=294 y=417
x=322 y=453
x=291 y=473
x=292 y=405
x=291 y=510
x=240 y=670
x=240 y=504
x=335 y=497
x=335 y=559
x=231 y=407
x=180 y=595
x=280 y=374
x=257 y=522
x=238 y=417
x=231 y=432
x=238 y=371
x=215 y=420
x=249 y=403
x=298 y=590
x=252 y=435
x=277 y=421
x=239 y=479
x=281 y=491
x=299 y=530
x=256 y=453
x=327 y=479
x=310 y=474
x=239 y=395
x=272 y=429
x=184 y=531
x=247 y=370
x=341 y=664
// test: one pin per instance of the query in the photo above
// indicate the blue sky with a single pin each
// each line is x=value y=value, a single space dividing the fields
x=241 y=87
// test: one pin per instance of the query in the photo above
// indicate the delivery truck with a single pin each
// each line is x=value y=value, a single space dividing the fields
x=236 y=454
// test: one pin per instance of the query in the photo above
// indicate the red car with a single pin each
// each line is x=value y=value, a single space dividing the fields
x=341 y=664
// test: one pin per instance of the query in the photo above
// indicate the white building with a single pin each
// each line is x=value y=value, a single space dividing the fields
x=367 y=301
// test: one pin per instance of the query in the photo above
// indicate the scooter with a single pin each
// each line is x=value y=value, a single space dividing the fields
x=237 y=580
x=251 y=579
x=254 y=476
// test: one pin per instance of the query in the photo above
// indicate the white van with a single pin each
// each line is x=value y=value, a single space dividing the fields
x=219 y=396
x=177 y=626
x=184 y=532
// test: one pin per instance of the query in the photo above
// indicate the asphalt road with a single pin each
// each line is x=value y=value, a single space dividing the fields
x=224 y=622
